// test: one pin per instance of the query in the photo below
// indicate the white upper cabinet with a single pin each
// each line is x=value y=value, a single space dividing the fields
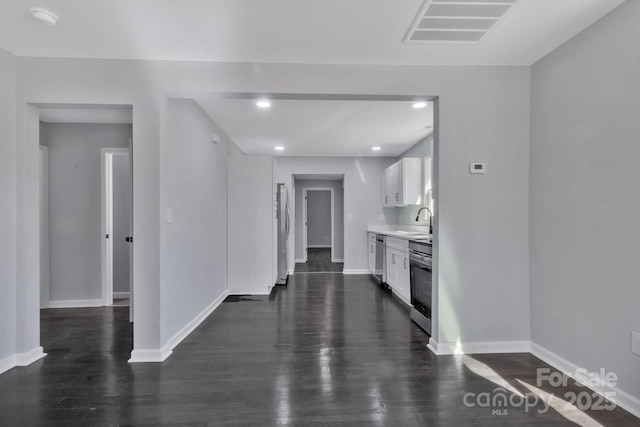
x=402 y=183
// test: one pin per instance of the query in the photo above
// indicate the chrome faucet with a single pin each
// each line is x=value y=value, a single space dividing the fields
x=430 y=217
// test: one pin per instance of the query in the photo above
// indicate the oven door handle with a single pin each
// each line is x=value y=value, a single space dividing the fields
x=424 y=262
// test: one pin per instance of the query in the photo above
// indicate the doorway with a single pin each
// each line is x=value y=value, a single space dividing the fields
x=117 y=224
x=319 y=224
x=72 y=208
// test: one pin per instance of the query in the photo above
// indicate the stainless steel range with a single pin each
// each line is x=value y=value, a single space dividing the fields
x=420 y=264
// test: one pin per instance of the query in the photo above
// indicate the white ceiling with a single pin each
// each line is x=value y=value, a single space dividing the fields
x=321 y=127
x=291 y=31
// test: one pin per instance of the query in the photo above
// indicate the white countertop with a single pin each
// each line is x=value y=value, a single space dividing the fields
x=408 y=232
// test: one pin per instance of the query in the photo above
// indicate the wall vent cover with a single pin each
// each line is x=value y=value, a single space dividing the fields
x=457 y=21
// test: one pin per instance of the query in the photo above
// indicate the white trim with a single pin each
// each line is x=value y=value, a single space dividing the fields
x=319 y=246
x=140 y=356
x=290 y=272
x=106 y=184
x=300 y=261
x=75 y=303
x=45 y=245
x=305 y=190
x=622 y=398
x=121 y=295
x=7 y=363
x=161 y=355
x=489 y=347
x=356 y=271
x=339 y=260
x=21 y=359
x=27 y=358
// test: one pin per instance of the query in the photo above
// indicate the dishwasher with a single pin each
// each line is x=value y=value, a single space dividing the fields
x=381 y=268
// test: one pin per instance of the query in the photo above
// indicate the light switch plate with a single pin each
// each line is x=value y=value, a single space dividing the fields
x=635 y=343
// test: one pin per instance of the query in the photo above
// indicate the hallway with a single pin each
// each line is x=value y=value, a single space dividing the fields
x=327 y=349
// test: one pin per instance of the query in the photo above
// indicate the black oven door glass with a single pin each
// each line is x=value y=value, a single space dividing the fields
x=421 y=289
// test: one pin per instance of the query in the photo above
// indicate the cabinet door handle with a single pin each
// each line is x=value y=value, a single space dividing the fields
x=405 y=263
x=393 y=258
x=396 y=197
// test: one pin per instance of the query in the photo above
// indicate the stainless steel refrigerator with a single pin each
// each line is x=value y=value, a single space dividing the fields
x=282 y=200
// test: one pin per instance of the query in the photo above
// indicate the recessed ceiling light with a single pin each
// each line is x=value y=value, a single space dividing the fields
x=279 y=148
x=420 y=104
x=263 y=103
x=375 y=148
x=44 y=16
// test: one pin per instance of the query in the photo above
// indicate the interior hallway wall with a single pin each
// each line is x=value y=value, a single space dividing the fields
x=75 y=206
x=194 y=242
x=8 y=225
x=584 y=198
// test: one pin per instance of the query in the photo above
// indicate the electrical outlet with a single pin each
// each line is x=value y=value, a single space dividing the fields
x=635 y=343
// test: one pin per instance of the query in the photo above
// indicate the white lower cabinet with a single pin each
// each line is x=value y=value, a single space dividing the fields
x=397 y=253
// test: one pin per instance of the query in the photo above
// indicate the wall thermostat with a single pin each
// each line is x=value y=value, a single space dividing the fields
x=477 y=167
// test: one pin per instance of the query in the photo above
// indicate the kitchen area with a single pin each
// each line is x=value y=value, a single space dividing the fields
x=400 y=257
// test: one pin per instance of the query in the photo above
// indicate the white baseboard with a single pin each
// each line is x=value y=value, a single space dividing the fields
x=355 y=271
x=496 y=347
x=154 y=355
x=290 y=272
x=337 y=260
x=75 y=303
x=7 y=363
x=138 y=356
x=21 y=359
x=122 y=294
x=300 y=261
x=27 y=358
x=319 y=246
x=622 y=398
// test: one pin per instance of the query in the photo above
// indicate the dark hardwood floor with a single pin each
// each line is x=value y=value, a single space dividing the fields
x=326 y=349
x=319 y=261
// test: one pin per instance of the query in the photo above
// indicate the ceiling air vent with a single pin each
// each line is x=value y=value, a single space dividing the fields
x=457 y=21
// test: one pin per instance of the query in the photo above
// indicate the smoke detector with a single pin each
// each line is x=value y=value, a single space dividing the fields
x=43 y=16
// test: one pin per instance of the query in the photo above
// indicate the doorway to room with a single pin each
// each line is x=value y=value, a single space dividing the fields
x=86 y=206
x=319 y=224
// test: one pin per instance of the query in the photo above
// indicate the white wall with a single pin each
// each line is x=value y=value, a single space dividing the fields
x=75 y=205
x=483 y=220
x=7 y=210
x=338 y=214
x=584 y=198
x=252 y=240
x=194 y=187
x=121 y=222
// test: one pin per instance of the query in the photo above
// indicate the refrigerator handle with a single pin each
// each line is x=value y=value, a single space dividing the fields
x=286 y=222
